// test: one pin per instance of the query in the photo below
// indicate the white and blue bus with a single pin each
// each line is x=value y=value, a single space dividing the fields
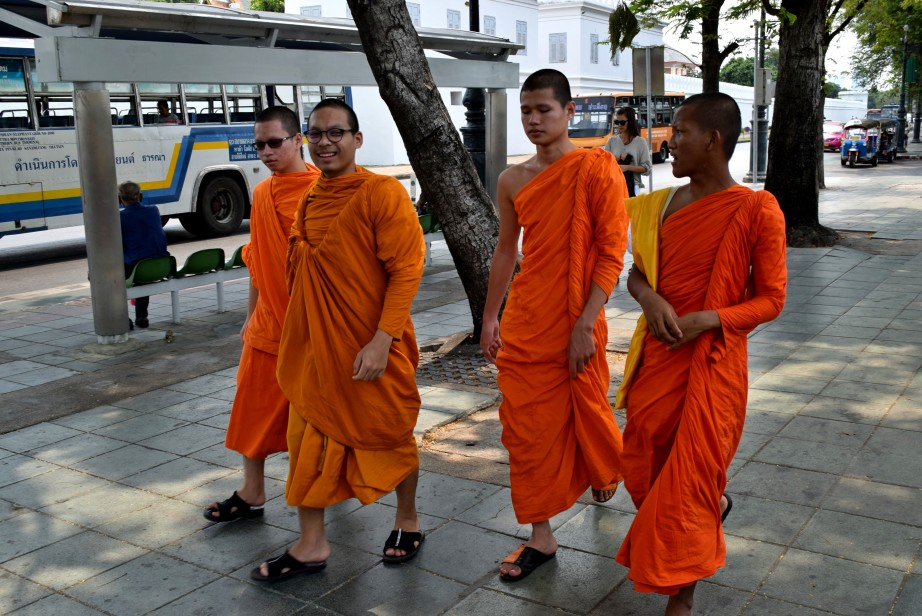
x=195 y=163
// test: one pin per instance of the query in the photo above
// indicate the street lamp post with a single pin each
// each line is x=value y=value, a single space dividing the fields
x=901 y=135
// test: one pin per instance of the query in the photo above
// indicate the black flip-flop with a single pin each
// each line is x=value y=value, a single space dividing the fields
x=527 y=559
x=726 y=512
x=232 y=509
x=278 y=565
x=402 y=540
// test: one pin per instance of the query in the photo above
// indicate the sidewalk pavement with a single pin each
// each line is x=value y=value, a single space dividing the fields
x=108 y=460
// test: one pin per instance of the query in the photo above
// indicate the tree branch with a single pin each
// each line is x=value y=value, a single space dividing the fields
x=767 y=5
x=828 y=37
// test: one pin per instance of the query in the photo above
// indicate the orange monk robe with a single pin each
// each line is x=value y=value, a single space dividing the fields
x=560 y=432
x=686 y=407
x=355 y=261
x=259 y=417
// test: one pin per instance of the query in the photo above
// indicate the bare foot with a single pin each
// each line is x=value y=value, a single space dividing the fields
x=303 y=553
x=603 y=495
x=408 y=526
x=508 y=569
x=680 y=604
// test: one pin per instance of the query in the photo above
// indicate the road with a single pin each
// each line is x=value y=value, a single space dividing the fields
x=53 y=263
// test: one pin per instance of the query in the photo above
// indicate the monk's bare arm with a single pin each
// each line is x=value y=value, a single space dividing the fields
x=371 y=361
x=504 y=259
x=662 y=320
x=582 y=343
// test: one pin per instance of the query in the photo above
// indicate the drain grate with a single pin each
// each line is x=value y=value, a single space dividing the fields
x=461 y=369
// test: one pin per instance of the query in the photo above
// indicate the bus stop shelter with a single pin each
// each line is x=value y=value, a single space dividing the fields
x=94 y=43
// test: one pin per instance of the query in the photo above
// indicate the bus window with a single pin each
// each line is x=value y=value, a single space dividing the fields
x=54 y=102
x=244 y=102
x=208 y=101
x=151 y=94
x=14 y=100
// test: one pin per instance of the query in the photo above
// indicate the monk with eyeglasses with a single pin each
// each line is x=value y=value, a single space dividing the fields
x=348 y=354
x=259 y=417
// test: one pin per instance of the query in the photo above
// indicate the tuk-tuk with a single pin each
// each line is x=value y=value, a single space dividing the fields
x=868 y=141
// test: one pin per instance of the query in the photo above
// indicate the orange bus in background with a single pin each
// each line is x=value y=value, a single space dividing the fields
x=593 y=123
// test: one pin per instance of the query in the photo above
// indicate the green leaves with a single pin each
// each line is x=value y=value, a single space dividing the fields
x=622 y=28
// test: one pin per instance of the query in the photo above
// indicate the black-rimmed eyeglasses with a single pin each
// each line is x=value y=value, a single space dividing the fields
x=620 y=122
x=272 y=143
x=335 y=135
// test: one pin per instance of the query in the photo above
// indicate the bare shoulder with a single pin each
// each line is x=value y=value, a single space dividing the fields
x=514 y=178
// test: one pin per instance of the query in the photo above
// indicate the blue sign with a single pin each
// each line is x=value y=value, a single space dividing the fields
x=11 y=76
x=241 y=149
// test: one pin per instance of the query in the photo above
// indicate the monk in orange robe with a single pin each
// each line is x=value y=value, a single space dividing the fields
x=348 y=354
x=259 y=416
x=558 y=425
x=709 y=266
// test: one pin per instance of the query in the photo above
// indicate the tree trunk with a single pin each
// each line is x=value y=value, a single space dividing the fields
x=796 y=123
x=710 y=46
x=445 y=171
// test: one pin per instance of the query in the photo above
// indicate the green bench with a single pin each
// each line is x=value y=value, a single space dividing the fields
x=203 y=267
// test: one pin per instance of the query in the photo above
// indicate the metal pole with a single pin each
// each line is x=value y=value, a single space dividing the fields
x=496 y=149
x=901 y=135
x=98 y=185
x=474 y=132
x=754 y=130
x=648 y=57
x=758 y=140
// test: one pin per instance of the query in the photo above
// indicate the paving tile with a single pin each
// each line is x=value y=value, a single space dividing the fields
x=429 y=419
x=840 y=409
x=35 y=436
x=842 y=433
x=764 y=606
x=58 y=605
x=833 y=584
x=750 y=444
x=228 y=596
x=227 y=547
x=445 y=496
x=224 y=394
x=876 y=542
x=30 y=531
x=76 y=448
x=123 y=462
x=495 y=513
x=484 y=601
x=782 y=483
x=16 y=592
x=218 y=454
x=203 y=385
x=806 y=455
x=176 y=476
x=144 y=584
x=9 y=386
x=222 y=488
x=48 y=488
x=784 y=383
x=32 y=349
x=904 y=415
x=875 y=500
x=596 y=530
x=15 y=468
x=777 y=401
x=749 y=515
x=873 y=393
x=186 y=439
x=18 y=367
x=765 y=422
x=95 y=418
x=407 y=591
x=73 y=560
x=101 y=505
x=464 y=553
x=196 y=409
x=139 y=428
x=166 y=521
x=155 y=400
x=891 y=456
x=8 y=510
x=910 y=600
x=748 y=563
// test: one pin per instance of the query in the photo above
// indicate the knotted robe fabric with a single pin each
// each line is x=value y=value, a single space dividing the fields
x=259 y=416
x=560 y=432
x=686 y=407
x=355 y=260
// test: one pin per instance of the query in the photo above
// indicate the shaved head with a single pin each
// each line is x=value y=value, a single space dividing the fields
x=550 y=79
x=716 y=111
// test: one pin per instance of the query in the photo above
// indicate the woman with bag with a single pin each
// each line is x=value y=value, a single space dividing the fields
x=629 y=148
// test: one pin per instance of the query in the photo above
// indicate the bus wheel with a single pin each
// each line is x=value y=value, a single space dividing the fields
x=874 y=161
x=220 y=208
x=662 y=155
x=164 y=220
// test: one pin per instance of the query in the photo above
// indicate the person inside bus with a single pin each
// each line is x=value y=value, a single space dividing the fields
x=164 y=116
x=142 y=238
x=630 y=149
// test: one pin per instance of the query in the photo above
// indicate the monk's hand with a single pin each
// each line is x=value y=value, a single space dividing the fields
x=581 y=348
x=694 y=324
x=371 y=361
x=490 y=342
x=662 y=320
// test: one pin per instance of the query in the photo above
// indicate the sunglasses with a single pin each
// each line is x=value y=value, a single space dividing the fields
x=620 y=122
x=272 y=143
x=335 y=135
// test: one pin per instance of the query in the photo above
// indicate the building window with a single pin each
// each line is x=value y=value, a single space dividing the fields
x=311 y=11
x=558 y=47
x=521 y=36
x=414 y=13
x=593 y=48
x=489 y=25
x=454 y=19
